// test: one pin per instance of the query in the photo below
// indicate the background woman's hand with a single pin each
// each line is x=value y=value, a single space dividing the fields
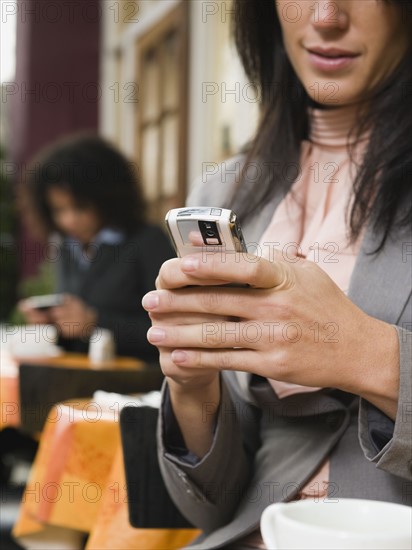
x=32 y=315
x=74 y=318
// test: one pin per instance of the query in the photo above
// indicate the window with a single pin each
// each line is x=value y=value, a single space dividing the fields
x=162 y=111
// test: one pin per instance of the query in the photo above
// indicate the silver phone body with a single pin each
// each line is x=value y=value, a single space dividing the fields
x=45 y=302
x=204 y=228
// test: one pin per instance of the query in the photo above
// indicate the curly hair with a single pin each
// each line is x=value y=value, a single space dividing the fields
x=95 y=174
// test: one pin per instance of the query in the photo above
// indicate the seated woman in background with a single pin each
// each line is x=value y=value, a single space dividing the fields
x=87 y=193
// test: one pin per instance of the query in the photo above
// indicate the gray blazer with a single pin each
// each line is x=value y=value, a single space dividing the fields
x=266 y=449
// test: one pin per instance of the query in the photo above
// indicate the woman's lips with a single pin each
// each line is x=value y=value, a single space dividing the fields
x=331 y=60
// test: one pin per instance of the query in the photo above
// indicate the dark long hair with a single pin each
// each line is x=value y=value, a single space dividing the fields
x=386 y=171
x=95 y=174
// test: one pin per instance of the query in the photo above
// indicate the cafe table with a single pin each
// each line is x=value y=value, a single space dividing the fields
x=30 y=386
x=76 y=490
x=76 y=493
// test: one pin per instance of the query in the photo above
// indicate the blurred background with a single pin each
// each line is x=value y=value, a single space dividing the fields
x=158 y=78
x=161 y=81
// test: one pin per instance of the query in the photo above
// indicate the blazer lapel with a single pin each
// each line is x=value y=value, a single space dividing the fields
x=381 y=283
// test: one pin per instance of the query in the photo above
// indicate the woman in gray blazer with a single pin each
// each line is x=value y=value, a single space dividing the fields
x=88 y=198
x=299 y=386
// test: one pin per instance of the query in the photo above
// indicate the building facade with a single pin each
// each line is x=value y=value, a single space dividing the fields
x=174 y=97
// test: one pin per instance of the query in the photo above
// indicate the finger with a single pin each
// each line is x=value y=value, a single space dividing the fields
x=37 y=318
x=72 y=300
x=208 y=301
x=24 y=307
x=184 y=374
x=237 y=359
x=65 y=331
x=238 y=268
x=209 y=335
x=195 y=238
x=171 y=276
x=58 y=313
x=186 y=319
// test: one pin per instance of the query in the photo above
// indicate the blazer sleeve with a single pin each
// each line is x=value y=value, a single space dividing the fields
x=208 y=491
x=392 y=453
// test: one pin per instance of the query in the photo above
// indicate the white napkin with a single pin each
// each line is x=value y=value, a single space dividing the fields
x=113 y=403
x=30 y=340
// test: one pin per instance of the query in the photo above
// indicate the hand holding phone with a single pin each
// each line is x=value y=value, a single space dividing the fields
x=34 y=311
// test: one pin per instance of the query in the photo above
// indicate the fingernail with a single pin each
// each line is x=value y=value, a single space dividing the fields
x=179 y=356
x=155 y=335
x=190 y=263
x=150 y=301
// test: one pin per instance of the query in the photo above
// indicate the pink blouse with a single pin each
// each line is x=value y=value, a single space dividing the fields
x=312 y=219
x=312 y=222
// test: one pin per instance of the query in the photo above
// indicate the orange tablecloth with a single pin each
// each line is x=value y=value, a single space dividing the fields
x=9 y=377
x=9 y=392
x=26 y=392
x=77 y=484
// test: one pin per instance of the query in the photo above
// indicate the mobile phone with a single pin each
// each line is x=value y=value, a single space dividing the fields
x=45 y=302
x=198 y=228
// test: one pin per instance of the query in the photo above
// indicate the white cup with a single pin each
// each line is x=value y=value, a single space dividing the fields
x=345 y=524
x=102 y=346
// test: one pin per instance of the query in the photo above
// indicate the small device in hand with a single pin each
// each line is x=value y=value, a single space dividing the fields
x=193 y=229
x=45 y=302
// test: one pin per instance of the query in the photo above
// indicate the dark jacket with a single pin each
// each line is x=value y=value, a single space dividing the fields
x=114 y=284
